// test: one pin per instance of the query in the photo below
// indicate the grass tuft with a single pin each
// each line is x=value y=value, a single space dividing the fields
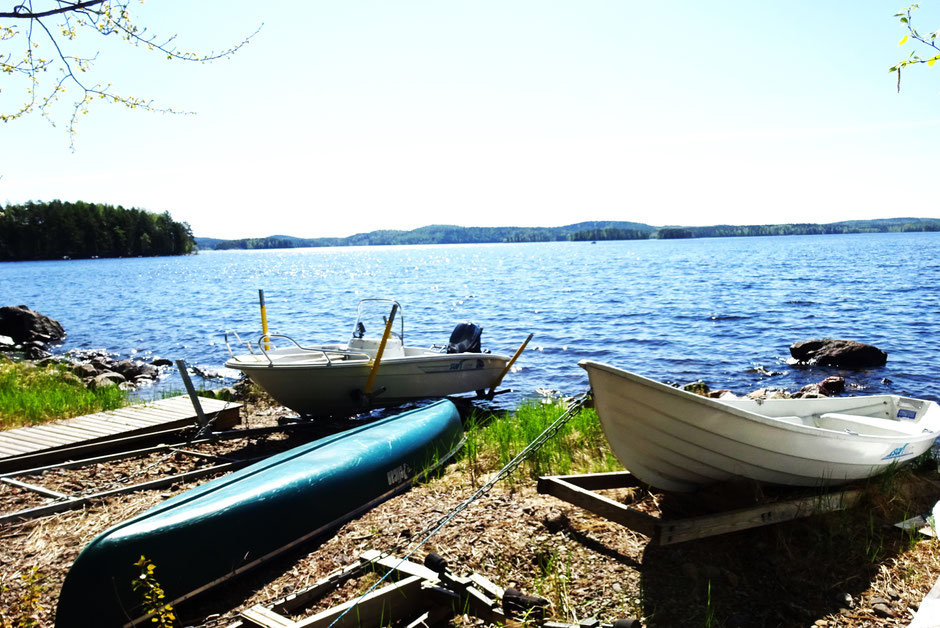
x=31 y=394
x=494 y=440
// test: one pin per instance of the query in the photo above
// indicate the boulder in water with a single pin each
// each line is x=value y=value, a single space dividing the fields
x=834 y=352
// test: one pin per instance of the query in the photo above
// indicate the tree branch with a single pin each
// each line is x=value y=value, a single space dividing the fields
x=21 y=12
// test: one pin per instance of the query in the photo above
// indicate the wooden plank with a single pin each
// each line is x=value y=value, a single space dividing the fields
x=403 y=567
x=17 y=446
x=9 y=452
x=709 y=525
x=603 y=481
x=598 y=504
x=263 y=618
x=88 y=424
x=29 y=438
x=320 y=587
x=76 y=433
x=381 y=607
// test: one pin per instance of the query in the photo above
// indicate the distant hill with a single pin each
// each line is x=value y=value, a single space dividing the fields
x=581 y=231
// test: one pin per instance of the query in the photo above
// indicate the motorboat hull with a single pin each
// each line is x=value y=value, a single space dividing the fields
x=315 y=387
x=204 y=536
x=678 y=441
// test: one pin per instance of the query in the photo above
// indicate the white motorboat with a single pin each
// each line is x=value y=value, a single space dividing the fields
x=369 y=371
x=679 y=441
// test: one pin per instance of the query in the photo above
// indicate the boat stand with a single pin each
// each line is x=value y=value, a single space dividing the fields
x=579 y=490
x=416 y=596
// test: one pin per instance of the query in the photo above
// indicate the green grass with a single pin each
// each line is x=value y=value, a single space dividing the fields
x=31 y=394
x=494 y=440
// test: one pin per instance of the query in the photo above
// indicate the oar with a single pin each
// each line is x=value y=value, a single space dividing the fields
x=492 y=393
x=378 y=354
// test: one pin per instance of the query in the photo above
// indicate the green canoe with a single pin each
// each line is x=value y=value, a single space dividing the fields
x=207 y=535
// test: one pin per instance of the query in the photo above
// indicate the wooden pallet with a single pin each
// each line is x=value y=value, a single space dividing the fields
x=29 y=444
x=579 y=490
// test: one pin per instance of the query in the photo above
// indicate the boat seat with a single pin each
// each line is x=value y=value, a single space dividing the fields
x=859 y=423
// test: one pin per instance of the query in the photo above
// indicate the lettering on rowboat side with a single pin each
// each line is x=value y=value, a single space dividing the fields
x=900 y=452
x=399 y=474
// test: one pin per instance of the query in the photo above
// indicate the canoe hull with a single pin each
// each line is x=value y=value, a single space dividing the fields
x=206 y=535
x=313 y=389
x=678 y=441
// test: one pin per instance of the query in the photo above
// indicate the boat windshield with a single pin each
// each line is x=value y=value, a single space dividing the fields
x=372 y=317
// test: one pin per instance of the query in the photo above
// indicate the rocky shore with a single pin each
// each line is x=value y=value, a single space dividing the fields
x=30 y=335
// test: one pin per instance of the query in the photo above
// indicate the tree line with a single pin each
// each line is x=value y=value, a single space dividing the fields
x=56 y=230
x=588 y=231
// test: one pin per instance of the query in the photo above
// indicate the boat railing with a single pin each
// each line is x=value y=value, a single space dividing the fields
x=240 y=341
x=266 y=340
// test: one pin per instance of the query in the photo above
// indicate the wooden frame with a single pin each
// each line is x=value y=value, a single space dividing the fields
x=579 y=491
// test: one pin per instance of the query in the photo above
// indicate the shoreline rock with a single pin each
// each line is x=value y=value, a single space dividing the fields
x=835 y=352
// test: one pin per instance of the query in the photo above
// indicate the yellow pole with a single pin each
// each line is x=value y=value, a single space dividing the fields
x=509 y=366
x=378 y=354
x=264 y=320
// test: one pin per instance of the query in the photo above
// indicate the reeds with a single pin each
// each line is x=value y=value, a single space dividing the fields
x=31 y=394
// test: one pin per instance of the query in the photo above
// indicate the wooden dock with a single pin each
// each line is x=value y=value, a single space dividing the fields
x=32 y=443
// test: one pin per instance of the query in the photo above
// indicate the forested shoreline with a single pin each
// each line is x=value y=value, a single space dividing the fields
x=579 y=232
x=56 y=230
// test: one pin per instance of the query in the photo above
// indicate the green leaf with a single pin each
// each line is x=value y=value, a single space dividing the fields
x=903 y=40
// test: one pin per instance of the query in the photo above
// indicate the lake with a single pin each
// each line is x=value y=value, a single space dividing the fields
x=674 y=310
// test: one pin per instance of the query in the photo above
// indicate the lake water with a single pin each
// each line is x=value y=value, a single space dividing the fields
x=675 y=310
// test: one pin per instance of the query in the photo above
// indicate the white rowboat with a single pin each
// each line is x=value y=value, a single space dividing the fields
x=343 y=379
x=679 y=441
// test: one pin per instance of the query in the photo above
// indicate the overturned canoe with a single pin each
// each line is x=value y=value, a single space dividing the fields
x=209 y=534
x=678 y=441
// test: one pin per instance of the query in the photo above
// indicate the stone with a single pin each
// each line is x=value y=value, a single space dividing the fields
x=6 y=343
x=882 y=610
x=835 y=352
x=161 y=362
x=85 y=370
x=833 y=385
x=35 y=353
x=108 y=378
x=23 y=325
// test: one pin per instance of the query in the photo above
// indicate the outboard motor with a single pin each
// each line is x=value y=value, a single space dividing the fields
x=465 y=339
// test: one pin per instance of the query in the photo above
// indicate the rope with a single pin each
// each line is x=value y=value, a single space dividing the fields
x=574 y=406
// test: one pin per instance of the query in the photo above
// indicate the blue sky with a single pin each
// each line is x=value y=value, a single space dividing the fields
x=350 y=116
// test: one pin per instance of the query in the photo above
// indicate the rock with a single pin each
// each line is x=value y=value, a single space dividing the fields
x=23 y=325
x=882 y=610
x=768 y=393
x=555 y=521
x=35 y=353
x=833 y=352
x=6 y=343
x=108 y=378
x=699 y=388
x=833 y=385
x=85 y=371
x=161 y=362
x=718 y=394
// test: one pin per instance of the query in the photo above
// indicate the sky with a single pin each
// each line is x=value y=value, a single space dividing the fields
x=345 y=117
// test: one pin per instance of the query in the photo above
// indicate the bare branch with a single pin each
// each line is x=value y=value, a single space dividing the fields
x=22 y=12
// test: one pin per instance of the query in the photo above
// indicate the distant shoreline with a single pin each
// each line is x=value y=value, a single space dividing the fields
x=579 y=232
